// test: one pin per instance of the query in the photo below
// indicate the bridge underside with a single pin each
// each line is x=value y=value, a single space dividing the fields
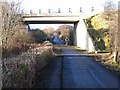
x=50 y=22
x=81 y=37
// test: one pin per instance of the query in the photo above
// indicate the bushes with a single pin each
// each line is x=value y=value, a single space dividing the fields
x=29 y=37
x=20 y=40
x=36 y=35
x=20 y=71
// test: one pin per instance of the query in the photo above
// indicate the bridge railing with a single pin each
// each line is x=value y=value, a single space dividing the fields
x=39 y=11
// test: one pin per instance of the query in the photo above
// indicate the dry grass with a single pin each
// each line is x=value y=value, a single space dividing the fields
x=105 y=59
x=57 y=50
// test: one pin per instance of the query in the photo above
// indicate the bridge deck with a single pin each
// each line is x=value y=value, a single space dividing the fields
x=50 y=17
x=56 y=15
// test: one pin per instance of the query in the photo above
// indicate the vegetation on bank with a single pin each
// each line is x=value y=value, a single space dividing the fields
x=106 y=59
x=21 y=58
x=57 y=50
x=20 y=71
x=99 y=32
x=103 y=28
x=105 y=33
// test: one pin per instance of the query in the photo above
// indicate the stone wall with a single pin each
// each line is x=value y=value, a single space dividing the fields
x=19 y=71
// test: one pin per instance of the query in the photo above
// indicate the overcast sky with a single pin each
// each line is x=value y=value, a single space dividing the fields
x=64 y=5
x=75 y=5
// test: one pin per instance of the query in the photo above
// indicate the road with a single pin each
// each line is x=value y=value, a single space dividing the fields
x=75 y=72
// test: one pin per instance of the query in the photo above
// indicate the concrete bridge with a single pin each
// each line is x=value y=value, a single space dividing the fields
x=82 y=38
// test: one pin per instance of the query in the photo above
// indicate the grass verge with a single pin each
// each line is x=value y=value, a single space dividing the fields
x=57 y=50
x=105 y=59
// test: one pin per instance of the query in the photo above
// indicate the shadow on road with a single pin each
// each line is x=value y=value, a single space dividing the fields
x=50 y=76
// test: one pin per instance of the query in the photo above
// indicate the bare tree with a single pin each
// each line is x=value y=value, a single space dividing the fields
x=66 y=30
x=49 y=30
x=109 y=4
x=11 y=20
x=0 y=32
x=0 y=51
x=111 y=15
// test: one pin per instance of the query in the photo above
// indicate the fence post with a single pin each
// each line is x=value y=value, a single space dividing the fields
x=115 y=56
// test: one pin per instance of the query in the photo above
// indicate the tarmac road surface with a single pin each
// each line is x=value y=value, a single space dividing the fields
x=76 y=72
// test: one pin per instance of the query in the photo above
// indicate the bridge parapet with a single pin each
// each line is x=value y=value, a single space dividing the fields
x=82 y=15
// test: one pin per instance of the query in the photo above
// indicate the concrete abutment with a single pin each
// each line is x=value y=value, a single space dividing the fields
x=83 y=39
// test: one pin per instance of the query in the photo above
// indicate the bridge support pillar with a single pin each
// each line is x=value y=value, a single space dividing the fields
x=83 y=39
x=27 y=28
x=74 y=35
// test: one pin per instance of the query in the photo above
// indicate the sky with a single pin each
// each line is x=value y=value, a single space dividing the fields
x=44 y=5
x=64 y=5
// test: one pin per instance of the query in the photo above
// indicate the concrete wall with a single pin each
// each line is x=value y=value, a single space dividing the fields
x=83 y=39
